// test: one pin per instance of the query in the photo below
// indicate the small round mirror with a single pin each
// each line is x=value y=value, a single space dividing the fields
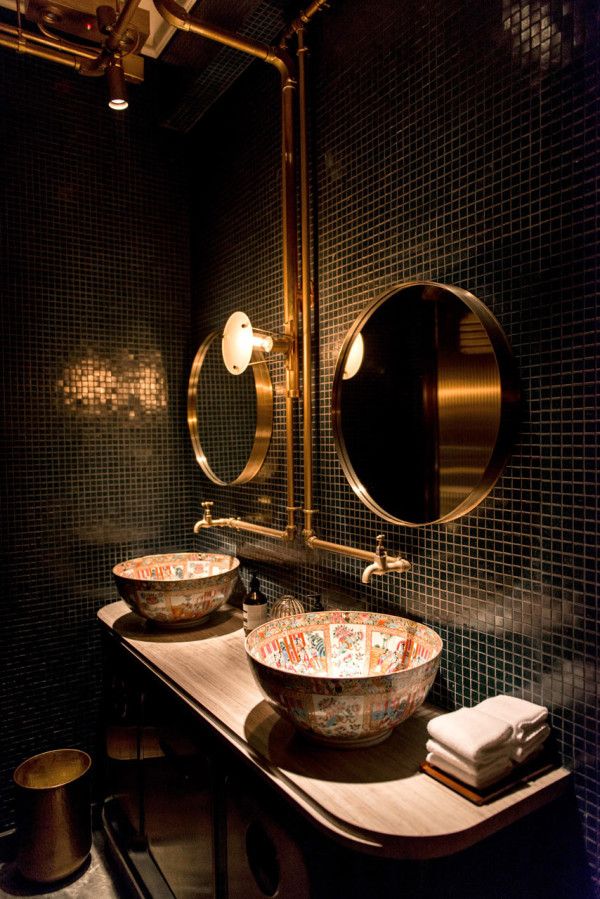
x=424 y=403
x=230 y=418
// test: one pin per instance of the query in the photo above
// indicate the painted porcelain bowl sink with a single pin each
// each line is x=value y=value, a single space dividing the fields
x=344 y=678
x=176 y=589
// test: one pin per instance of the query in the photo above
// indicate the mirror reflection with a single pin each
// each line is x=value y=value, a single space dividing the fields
x=424 y=403
x=229 y=418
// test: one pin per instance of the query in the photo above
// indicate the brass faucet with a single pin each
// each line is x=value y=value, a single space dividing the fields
x=237 y=524
x=207 y=520
x=382 y=563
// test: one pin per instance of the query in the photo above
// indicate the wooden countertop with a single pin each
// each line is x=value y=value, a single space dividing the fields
x=375 y=800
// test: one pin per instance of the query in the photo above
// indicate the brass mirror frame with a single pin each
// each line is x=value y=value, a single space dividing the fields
x=264 y=415
x=509 y=404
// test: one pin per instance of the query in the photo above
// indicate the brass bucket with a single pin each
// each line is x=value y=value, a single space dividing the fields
x=53 y=814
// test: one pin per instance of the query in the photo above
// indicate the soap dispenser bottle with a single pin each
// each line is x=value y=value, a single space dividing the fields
x=254 y=606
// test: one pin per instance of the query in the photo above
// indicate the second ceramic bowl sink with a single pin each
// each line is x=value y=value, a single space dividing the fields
x=176 y=589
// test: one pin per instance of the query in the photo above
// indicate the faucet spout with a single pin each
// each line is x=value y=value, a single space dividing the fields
x=382 y=563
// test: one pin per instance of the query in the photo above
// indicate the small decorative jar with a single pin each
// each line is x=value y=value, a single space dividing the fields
x=286 y=605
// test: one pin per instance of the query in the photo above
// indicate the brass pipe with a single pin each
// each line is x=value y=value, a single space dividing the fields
x=59 y=46
x=56 y=39
x=310 y=538
x=207 y=521
x=237 y=524
x=50 y=41
x=113 y=40
x=307 y=386
x=21 y=45
x=112 y=44
x=96 y=67
x=301 y=20
x=290 y=230
x=394 y=562
x=176 y=16
x=340 y=549
x=290 y=281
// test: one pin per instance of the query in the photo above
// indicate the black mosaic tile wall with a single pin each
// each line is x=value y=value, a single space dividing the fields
x=95 y=321
x=454 y=142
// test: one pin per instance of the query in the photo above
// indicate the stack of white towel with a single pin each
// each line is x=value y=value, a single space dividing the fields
x=482 y=744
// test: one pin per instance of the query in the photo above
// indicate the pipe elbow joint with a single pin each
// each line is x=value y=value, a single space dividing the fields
x=173 y=13
x=283 y=62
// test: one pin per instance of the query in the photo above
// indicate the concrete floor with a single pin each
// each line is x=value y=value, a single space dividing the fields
x=95 y=881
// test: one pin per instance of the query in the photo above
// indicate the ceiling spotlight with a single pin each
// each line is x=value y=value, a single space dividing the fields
x=117 y=92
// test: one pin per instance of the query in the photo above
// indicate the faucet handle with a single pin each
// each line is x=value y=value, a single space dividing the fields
x=380 y=548
x=207 y=506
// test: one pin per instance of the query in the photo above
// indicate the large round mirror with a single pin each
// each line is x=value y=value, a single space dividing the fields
x=230 y=418
x=424 y=403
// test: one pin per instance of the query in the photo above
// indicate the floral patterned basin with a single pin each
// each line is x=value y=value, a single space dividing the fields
x=176 y=589
x=344 y=678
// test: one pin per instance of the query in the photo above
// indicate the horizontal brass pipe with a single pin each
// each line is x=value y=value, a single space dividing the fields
x=59 y=51
x=22 y=45
x=237 y=524
x=56 y=43
x=353 y=552
x=340 y=549
x=86 y=62
x=176 y=16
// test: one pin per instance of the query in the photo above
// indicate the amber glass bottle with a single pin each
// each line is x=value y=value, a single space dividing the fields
x=255 y=606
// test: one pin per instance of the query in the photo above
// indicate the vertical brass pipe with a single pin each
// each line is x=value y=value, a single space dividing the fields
x=175 y=15
x=301 y=20
x=307 y=386
x=290 y=278
x=121 y=25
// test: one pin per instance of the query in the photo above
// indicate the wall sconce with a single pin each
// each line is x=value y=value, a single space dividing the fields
x=240 y=340
x=355 y=357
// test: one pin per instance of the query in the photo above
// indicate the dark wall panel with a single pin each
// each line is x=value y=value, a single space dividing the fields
x=455 y=142
x=95 y=313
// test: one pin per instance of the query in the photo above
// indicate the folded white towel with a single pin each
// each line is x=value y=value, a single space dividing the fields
x=524 y=717
x=475 y=779
x=526 y=750
x=540 y=733
x=499 y=762
x=470 y=733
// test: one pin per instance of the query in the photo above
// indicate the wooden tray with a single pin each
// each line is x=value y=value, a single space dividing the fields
x=521 y=774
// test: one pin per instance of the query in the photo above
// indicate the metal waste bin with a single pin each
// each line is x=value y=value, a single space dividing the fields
x=53 y=814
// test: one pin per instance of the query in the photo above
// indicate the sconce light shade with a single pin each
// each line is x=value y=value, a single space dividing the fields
x=240 y=339
x=117 y=91
x=355 y=356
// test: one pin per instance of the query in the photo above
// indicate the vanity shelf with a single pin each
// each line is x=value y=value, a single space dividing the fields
x=374 y=800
